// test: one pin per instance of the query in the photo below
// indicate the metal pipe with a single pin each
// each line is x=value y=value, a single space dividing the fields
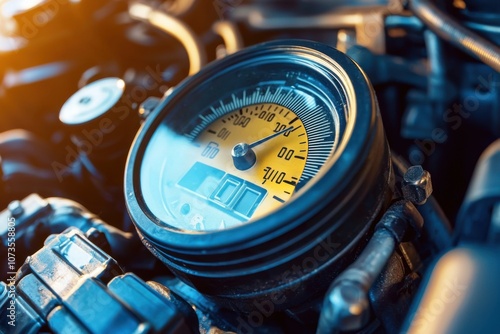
x=177 y=29
x=452 y=31
x=230 y=35
x=346 y=306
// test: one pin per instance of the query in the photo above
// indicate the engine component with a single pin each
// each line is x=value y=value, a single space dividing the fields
x=467 y=275
x=258 y=182
x=36 y=218
x=417 y=185
x=475 y=223
x=102 y=122
x=176 y=28
x=240 y=199
x=346 y=306
x=72 y=285
x=455 y=33
x=26 y=161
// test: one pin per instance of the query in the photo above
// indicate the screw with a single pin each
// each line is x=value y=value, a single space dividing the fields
x=417 y=185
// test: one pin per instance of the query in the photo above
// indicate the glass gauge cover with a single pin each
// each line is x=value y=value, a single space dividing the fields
x=238 y=154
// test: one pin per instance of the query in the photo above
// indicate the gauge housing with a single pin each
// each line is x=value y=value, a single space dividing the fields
x=293 y=253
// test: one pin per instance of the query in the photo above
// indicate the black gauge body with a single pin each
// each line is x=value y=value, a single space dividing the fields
x=289 y=254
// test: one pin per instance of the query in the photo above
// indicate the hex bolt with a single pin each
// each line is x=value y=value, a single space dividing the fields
x=417 y=185
x=16 y=209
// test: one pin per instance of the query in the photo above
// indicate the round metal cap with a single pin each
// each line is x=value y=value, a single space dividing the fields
x=92 y=101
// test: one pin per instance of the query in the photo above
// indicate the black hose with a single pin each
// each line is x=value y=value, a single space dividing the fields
x=452 y=31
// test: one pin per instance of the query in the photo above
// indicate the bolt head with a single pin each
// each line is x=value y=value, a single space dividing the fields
x=417 y=185
x=348 y=306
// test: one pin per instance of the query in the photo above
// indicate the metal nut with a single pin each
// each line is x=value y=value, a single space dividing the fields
x=417 y=185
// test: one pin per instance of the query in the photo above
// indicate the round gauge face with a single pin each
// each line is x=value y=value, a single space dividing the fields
x=266 y=174
x=241 y=147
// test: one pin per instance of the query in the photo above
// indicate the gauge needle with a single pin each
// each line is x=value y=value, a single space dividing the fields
x=263 y=140
x=243 y=155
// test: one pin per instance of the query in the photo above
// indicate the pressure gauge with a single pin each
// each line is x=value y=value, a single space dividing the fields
x=271 y=158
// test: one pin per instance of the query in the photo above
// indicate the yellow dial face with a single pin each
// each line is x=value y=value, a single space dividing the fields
x=239 y=159
x=280 y=153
